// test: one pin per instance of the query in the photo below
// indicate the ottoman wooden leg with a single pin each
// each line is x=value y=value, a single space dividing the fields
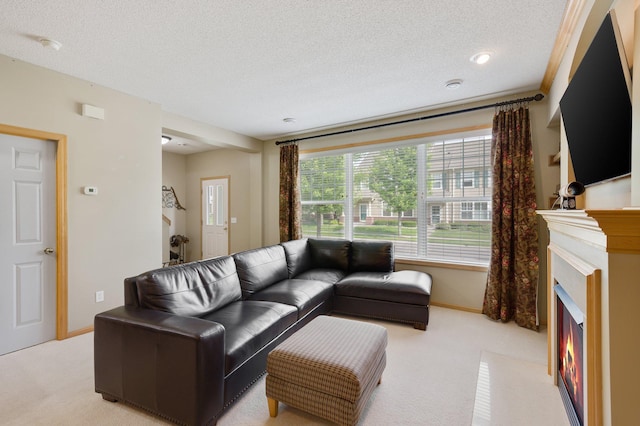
x=273 y=407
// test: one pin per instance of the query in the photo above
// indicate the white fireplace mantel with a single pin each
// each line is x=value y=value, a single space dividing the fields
x=615 y=231
x=596 y=255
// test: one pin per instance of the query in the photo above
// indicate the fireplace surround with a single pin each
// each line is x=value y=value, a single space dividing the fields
x=581 y=283
x=594 y=257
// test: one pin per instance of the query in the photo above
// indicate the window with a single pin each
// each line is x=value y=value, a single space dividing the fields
x=209 y=206
x=435 y=214
x=468 y=180
x=431 y=197
x=481 y=211
x=436 y=180
x=466 y=210
x=322 y=186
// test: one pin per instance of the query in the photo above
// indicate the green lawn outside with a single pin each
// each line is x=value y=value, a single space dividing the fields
x=373 y=232
x=460 y=237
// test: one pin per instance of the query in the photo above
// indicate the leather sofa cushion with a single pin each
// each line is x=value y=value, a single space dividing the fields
x=327 y=275
x=298 y=256
x=371 y=256
x=409 y=287
x=190 y=289
x=249 y=326
x=261 y=267
x=303 y=294
x=330 y=254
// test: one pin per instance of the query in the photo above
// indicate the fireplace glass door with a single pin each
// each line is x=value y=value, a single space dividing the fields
x=570 y=356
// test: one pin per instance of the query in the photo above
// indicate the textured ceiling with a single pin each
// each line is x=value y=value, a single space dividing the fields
x=244 y=65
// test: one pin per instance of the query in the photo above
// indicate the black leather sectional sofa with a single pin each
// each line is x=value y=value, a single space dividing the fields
x=192 y=338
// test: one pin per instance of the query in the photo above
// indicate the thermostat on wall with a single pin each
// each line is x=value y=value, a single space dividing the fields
x=90 y=190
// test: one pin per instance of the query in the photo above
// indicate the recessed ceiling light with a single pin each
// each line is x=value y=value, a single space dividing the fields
x=165 y=140
x=481 y=58
x=453 y=84
x=289 y=120
x=50 y=43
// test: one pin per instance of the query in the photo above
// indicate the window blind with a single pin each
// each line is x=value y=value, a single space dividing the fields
x=431 y=198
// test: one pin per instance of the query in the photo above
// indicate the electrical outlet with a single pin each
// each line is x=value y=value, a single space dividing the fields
x=99 y=296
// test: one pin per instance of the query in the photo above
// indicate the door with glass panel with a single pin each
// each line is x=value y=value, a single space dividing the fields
x=215 y=220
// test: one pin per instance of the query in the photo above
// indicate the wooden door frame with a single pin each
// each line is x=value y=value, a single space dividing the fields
x=61 y=219
x=228 y=178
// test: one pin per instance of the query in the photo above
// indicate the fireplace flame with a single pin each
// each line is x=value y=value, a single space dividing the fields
x=570 y=367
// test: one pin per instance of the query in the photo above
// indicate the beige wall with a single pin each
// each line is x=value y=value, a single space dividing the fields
x=116 y=233
x=119 y=232
x=245 y=200
x=452 y=286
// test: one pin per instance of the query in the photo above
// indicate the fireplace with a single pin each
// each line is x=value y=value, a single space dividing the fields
x=574 y=335
x=570 y=350
x=594 y=257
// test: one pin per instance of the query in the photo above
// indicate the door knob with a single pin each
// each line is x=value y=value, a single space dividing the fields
x=48 y=250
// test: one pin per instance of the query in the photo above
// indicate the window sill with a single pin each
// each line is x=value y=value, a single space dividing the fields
x=444 y=265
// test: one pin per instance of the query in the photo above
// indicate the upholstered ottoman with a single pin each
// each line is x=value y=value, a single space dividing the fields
x=328 y=368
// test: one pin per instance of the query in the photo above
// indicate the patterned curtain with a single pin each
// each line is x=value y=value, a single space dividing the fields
x=290 y=208
x=512 y=283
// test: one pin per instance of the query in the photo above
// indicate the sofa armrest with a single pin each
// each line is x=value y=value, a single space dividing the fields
x=168 y=364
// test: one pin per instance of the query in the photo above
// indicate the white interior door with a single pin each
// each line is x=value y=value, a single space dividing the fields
x=27 y=242
x=215 y=221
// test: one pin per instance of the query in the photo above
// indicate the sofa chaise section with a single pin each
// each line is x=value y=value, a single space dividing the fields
x=402 y=296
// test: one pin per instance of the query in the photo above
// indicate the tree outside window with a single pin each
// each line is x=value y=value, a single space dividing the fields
x=394 y=177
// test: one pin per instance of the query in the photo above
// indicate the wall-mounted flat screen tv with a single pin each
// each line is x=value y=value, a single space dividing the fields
x=596 y=109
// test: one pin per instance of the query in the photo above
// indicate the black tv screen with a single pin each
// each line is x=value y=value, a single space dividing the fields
x=596 y=110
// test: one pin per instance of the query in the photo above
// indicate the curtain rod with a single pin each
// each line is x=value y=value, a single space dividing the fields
x=536 y=98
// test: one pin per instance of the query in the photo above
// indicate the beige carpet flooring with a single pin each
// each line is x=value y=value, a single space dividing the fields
x=464 y=370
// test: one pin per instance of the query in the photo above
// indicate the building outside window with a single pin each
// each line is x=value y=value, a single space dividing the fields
x=441 y=189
